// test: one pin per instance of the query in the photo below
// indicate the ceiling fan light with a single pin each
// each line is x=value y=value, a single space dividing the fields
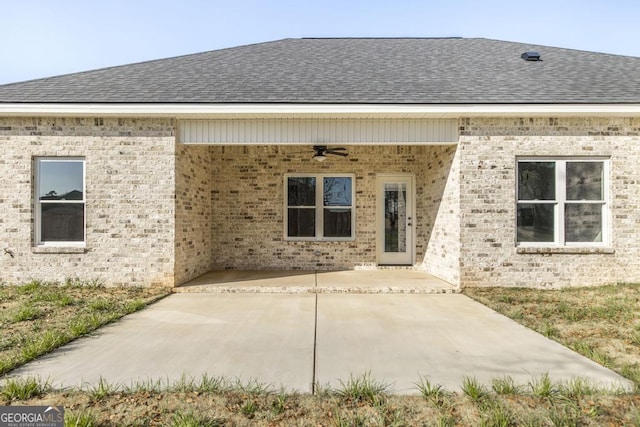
x=320 y=157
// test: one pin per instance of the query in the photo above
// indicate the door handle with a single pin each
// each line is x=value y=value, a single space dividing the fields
x=409 y=221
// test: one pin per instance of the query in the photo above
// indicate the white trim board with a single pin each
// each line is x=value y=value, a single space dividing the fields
x=314 y=110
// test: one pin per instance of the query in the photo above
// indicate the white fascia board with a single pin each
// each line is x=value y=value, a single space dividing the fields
x=316 y=110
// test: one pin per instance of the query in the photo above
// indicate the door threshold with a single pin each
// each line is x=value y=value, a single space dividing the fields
x=383 y=266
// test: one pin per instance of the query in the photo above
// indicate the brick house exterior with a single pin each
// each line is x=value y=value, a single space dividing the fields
x=181 y=180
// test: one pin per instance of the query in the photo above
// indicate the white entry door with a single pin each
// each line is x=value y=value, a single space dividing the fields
x=395 y=219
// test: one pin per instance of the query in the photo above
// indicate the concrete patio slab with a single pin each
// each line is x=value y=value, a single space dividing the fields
x=251 y=281
x=401 y=280
x=265 y=337
x=399 y=338
x=275 y=339
x=382 y=281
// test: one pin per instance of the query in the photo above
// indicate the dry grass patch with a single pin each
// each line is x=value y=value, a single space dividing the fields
x=191 y=402
x=602 y=323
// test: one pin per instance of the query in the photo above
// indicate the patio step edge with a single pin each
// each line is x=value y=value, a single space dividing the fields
x=307 y=290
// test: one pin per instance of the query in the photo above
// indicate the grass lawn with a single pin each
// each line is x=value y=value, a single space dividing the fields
x=38 y=317
x=602 y=323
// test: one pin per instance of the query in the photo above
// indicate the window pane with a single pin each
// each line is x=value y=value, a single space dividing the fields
x=61 y=180
x=62 y=222
x=337 y=222
x=301 y=222
x=337 y=191
x=395 y=217
x=585 y=180
x=536 y=222
x=583 y=222
x=536 y=180
x=301 y=191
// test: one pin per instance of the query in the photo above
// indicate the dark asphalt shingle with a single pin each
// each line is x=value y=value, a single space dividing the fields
x=371 y=71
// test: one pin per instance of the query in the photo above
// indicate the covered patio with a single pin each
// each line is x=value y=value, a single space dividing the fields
x=252 y=196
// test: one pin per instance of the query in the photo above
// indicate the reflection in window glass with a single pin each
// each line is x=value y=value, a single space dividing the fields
x=61 y=180
x=585 y=180
x=536 y=181
x=62 y=222
x=319 y=207
x=583 y=222
x=60 y=207
x=536 y=222
x=395 y=217
x=301 y=191
x=337 y=222
x=562 y=201
x=301 y=222
x=337 y=191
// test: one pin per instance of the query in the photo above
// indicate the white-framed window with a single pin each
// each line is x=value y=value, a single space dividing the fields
x=563 y=201
x=59 y=201
x=319 y=207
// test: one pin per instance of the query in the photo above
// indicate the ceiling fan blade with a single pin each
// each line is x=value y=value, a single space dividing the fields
x=336 y=153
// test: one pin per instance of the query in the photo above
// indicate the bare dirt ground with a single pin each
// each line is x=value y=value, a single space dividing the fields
x=273 y=409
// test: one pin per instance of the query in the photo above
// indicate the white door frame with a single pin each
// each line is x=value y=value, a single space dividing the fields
x=395 y=258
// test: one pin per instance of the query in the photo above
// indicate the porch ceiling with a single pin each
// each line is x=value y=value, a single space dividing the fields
x=314 y=131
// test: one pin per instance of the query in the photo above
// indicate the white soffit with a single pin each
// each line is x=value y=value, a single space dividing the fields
x=318 y=131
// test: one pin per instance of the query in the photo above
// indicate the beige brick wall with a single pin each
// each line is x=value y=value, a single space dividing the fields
x=193 y=211
x=248 y=203
x=130 y=196
x=442 y=258
x=488 y=149
x=163 y=212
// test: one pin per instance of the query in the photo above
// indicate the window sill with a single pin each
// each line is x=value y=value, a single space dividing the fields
x=565 y=250
x=58 y=250
x=293 y=239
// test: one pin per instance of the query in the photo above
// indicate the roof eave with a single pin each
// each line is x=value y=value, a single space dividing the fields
x=195 y=111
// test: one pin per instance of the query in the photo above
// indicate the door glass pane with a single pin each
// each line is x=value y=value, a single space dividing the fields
x=536 y=180
x=536 y=222
x=301 y=191
x=62 y=222
x=583 y=222
x=301 y=222
x=337 y=222
x=337 y=191
x=61 y=180
x=584 y=180
x=395 y=217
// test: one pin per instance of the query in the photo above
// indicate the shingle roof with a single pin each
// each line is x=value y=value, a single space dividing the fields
x=368 y=70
